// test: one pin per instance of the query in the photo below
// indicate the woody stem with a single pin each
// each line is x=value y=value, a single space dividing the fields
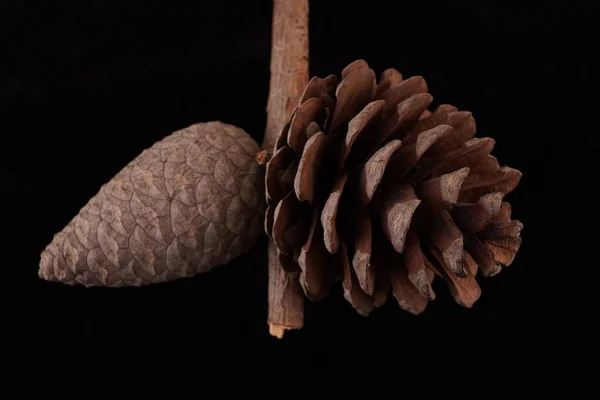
x=289 y=76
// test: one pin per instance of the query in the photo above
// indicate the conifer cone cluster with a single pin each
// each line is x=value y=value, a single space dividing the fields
x=368 y=186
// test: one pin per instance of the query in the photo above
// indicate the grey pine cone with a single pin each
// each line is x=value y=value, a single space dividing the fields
x=190 y=202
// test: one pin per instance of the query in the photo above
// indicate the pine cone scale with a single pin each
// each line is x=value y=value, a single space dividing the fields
x=395 y=194
x=486 y=166
x=353 y=66
x=359 y=129
x=319 y=267
x=465 y=290
x=362 y=302
x=319 y=88
x=504 y=180
x=464 y=129
x=388 y=77
x=429 y=120
x=401 y=91
x=415 y=264
x=269 y=220
x=469 y=154
x=473 y=217
x=504 y=250
x=311 y=110
x=372 y=172
x=353 y=94
x=288 y=221
x=361 y=262
x=443 y=235
x=399 y=203
x=409 y=298
x=280 y=162
x=482 y=256
x=495 y=230
x=408 y=113
x=287 y=262
x=504 y=213
x=444 y=188
x=406 y=293
x=408 y=156
x=311 y=166
x=329 y=215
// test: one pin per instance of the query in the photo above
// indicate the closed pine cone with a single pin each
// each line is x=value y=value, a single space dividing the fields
x=367 y=185
x=189 y=203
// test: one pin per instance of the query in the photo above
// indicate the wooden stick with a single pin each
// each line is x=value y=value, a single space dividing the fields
x=289 y=76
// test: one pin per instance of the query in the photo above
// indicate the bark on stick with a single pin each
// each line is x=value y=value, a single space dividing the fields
x=289 y=76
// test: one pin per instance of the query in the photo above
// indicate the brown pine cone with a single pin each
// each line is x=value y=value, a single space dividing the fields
x=189 y=203
x=367 y=185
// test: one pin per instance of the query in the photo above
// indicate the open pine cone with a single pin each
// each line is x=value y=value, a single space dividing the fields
x=367 y=185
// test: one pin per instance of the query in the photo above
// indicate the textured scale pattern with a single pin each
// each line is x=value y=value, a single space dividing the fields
x=368 y=186
x=187 y=204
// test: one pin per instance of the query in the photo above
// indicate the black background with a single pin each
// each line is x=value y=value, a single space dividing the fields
x=85 y=86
